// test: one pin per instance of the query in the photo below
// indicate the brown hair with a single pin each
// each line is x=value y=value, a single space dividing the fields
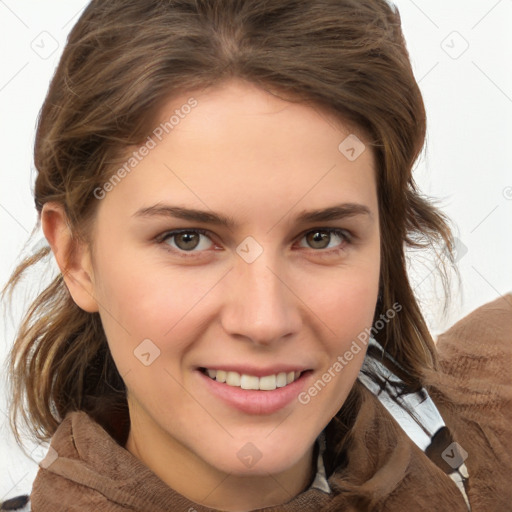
x=123 y=60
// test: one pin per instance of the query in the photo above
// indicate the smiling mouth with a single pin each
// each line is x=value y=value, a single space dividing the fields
x=244 y=381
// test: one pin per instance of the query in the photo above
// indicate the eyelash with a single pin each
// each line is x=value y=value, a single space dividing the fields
x=342 y=233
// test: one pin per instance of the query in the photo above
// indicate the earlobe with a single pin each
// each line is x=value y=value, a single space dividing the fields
x=71 y=255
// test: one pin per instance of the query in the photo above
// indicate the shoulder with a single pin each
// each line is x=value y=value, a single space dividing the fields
x=18 y=504
x=475 y=370
x=475 y=361
x=478 y=348
x=473 y=391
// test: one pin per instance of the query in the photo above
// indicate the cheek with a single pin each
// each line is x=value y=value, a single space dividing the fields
x=348 y=314
x=346 y=309
x=141 y=301
x=137 y=292
x=344 y=297
x=357 y=305
x=351 y=320
x=344 y=301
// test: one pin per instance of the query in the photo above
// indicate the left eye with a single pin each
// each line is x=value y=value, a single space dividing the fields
x=321 y=238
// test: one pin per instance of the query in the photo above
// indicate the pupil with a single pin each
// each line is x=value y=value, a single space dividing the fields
x=320 y=237
x=188 y=239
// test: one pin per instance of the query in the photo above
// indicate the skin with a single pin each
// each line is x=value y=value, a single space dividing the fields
x=259 y=160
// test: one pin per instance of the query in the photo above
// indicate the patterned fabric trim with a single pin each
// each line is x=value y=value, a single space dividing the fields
x=420 y=419
x=18 y=504
x=418 y=416
x=320 y=481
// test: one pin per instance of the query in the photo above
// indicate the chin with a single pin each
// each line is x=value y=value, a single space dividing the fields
x=259 y=458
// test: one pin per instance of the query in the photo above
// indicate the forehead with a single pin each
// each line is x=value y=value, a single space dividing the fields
x=236 y=103
x=241 y=144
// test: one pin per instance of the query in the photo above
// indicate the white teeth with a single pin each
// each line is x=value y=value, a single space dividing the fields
x=249 y=382
x=281 y=380
x=266 y=383
x=233 y=379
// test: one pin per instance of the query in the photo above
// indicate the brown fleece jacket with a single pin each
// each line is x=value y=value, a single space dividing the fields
x=89 y=471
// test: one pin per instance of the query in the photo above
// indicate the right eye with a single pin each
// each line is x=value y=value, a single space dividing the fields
x=185 y=241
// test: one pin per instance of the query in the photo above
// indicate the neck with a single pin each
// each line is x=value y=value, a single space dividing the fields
x=202 y=483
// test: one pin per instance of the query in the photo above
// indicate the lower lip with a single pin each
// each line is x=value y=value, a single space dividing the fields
x=256 y=402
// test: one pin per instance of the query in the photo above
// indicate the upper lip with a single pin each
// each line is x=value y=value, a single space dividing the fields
x=257 y=372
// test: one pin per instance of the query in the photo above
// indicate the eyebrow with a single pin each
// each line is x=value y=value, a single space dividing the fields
x=336 y=212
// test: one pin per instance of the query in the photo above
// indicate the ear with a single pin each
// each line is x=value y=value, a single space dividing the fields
x=72 y=256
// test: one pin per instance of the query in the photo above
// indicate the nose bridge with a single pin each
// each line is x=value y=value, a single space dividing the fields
x=261 y=307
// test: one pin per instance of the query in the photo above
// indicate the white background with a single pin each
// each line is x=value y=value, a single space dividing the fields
x=466 y=164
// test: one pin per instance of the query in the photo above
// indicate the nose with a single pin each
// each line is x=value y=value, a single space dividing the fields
x=261 y=306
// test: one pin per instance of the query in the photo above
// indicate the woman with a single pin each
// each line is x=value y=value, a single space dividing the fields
x=226 y=188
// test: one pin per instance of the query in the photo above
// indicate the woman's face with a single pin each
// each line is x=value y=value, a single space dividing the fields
x=277 y=272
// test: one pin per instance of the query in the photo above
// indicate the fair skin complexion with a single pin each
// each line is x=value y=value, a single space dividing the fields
x=261 y=162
